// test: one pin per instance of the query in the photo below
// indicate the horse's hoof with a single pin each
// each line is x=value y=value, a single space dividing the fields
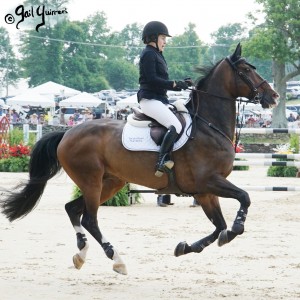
x=77 y=261
x=223 y=238
x=179 y=250
x=120 y=268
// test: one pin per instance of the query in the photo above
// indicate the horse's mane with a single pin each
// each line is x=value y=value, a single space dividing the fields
x=205 y=73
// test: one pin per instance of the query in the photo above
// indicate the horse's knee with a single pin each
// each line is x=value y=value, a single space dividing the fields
x=245 y=200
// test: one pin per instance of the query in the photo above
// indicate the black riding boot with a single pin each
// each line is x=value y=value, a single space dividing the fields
x=165 y=149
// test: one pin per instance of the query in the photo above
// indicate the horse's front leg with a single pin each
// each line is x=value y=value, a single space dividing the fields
x=75 y=210
x=211 y=206
x=223 y=188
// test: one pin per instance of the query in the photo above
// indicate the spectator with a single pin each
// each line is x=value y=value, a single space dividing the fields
x=260 y=121
x=14 y=117
x=291 y=118
x=71 y=121
x=34 y=119
x=250 y=121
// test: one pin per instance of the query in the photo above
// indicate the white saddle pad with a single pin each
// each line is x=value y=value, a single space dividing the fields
x=136 y=138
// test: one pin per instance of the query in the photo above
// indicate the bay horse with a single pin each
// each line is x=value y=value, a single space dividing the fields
x=93 y=156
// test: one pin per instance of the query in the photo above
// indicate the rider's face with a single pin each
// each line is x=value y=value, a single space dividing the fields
x=161 y=42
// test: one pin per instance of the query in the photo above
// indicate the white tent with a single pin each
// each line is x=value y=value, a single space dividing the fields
x=31 y=98
x=55 y=89
x=81 y=100
x=128 y=102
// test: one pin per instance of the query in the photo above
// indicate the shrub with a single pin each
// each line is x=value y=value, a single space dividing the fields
x=119 y=199
x=14 y=164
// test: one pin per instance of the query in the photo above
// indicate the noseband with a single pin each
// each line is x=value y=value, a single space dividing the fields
x=256 y=97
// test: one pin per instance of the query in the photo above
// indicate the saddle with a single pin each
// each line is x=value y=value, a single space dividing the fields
x=157 y=131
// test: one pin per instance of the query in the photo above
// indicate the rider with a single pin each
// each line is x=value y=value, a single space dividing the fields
x=154 y=83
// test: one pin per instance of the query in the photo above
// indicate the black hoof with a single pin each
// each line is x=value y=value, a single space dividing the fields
x=223 y=238
x=179 y=250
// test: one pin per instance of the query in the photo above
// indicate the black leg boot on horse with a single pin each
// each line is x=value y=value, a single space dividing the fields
x=167 y=144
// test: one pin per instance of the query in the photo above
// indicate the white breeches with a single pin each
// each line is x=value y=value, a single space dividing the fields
x=160 y=112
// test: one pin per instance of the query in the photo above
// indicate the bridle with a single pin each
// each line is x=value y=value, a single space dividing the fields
x=255 y=97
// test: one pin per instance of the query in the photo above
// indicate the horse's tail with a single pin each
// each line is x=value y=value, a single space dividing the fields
x=43 y=165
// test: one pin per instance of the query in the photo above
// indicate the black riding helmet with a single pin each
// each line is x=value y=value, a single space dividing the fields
x=152 y=30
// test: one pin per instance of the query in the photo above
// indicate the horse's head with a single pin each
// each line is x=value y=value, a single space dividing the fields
x=249 y=83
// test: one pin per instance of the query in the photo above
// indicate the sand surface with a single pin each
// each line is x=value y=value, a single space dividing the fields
x=264 y=263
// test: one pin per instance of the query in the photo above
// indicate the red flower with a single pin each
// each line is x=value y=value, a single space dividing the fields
x=239 y=148
x=7 y=151
x=19 y=150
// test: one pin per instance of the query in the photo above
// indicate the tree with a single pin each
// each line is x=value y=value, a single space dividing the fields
x=223 y=39
x=183 y=54
x=278 y=38
x=121 y=74
x=9 y=66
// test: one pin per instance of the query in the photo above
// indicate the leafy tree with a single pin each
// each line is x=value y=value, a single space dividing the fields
x=9 y=66
x=131 y=39
x=279 y=39
x=122 y=74
x=224 y=39
x=183 y=54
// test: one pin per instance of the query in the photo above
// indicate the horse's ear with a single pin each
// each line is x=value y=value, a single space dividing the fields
x=237 y=53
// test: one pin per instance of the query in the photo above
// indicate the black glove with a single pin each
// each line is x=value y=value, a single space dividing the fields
x=189 y=81
x=181 y=85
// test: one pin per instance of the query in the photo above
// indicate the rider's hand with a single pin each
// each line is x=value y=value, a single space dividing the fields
x=181 y=85
x=189 y=81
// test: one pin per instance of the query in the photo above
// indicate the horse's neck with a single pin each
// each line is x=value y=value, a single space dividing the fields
x=220 y=112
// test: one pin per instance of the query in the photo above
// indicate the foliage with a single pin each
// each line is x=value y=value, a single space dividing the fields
x=14 y=156
x=278 y=39
x=122 y=74
x=88 y=56
x=183 y=54
x=119 y=199
x=9 y=70
x=14 y=164
x=294 y=142
x=280 y=171
x=285 y=171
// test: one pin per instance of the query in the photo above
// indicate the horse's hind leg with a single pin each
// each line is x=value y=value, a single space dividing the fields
x=75 y=210
x=211 y=207
x=90 y=223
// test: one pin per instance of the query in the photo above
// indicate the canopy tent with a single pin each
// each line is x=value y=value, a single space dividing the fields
x=31 y=98
x=128 y=102
x=55 y=89
x=81 y=100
